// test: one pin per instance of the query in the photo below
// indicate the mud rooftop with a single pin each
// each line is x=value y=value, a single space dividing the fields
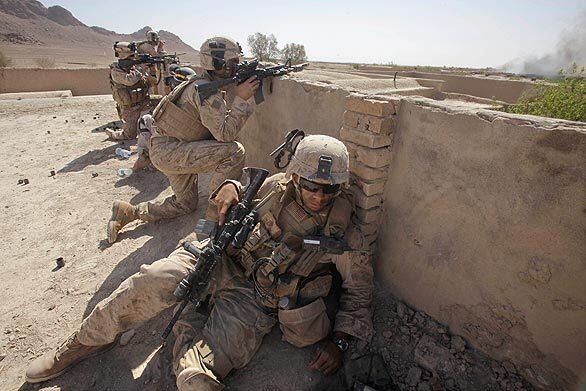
x=475 y=218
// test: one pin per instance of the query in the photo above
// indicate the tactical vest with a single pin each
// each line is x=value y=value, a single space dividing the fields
x=183 y=123
x=128 y=96
x=285 y=275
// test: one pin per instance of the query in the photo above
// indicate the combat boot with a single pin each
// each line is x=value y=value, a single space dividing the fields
x=54 y=363
x=122 y=214
x=114 y=134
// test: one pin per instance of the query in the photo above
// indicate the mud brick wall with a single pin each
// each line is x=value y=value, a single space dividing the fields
x=478 y=216
x=489 y=88
x=368 y=134
x=484 y=228
x=79 y=81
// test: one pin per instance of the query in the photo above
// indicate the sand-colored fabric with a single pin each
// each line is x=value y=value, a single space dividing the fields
x=130 y=115
x=181 y=162
x=192 y=138
x=184 y=116
x=129 y=87
x=354 y=314
x=306 y=325
x=207 y=350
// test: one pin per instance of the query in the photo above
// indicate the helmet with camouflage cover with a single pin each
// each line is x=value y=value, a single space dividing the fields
x=124 y=50
x=152 y=36
x=216 y=51
x=321 y=159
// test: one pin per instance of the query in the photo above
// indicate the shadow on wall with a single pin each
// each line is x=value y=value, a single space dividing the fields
x=315 y=109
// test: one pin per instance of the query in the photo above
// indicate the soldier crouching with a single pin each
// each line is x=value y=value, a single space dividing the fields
x=271 y=280
x=130 y=90
x=193 y=137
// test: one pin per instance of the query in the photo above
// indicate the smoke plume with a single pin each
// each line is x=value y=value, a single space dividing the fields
x=570 y=49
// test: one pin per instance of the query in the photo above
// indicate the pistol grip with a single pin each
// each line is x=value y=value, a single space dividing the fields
x=258 y=94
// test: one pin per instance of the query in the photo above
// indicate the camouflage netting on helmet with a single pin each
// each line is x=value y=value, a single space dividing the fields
x=321 y=159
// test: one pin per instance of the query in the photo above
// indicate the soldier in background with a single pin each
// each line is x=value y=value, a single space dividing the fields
x=193 y=137
x=130 y=91
x=153 y=46
x=271 y=281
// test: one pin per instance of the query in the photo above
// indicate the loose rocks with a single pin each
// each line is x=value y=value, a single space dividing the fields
x=432 y=356
x=413 y=376
x=126 y=337
x=457 y=343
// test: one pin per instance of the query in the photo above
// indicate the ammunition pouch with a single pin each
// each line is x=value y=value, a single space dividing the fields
x=312 y=288
x=306 y=325
x=129 y=96
x=182 y=123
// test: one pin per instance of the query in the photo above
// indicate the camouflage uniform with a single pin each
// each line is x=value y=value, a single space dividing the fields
x=240 y=317
x=130 y=91
x=194 y=137
x=154 y=47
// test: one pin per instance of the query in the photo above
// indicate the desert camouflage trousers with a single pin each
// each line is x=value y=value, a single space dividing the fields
x=130 y=116
x=181 y=162
x=204 y=351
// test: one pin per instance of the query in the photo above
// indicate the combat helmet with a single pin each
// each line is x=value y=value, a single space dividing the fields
x=179 y=74
x=124 y=50
x=321 y=159
x=152 y=36
x=183 y=73
x=216 y=51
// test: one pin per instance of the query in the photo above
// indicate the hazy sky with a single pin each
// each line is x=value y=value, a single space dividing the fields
x=415 y=32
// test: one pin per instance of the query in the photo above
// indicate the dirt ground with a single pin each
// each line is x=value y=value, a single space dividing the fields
x=65 y=214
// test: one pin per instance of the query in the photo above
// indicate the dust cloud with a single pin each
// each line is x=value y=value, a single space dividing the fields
x=570 y=49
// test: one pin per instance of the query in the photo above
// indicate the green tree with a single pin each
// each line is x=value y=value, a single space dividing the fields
x=295 y=52
x=263 y=47
x=564 y=99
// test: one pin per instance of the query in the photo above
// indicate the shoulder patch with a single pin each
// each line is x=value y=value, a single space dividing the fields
x=296 y=211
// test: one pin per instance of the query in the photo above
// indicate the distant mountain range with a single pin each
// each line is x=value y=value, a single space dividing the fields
x=29 y=31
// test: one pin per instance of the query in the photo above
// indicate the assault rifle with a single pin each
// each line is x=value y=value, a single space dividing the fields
x=245 y=71
x=148 y=59
x=240 y=220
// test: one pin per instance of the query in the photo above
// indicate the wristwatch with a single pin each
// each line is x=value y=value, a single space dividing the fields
x=341 y=343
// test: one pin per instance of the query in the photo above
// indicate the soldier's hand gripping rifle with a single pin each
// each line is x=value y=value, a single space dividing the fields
x=240 y=220
x=245 y=71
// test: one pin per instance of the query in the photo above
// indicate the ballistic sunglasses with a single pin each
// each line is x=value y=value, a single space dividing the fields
x=315 y=187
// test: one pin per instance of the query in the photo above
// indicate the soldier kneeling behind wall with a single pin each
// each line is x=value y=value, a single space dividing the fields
x=194 y=136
